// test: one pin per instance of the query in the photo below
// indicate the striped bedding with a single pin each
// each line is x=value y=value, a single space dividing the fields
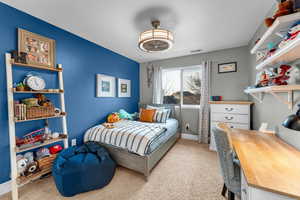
x=134 y=136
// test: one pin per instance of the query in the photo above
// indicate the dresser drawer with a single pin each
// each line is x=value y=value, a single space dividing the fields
x=231 y=118
x=230 y=108
x=232 y=125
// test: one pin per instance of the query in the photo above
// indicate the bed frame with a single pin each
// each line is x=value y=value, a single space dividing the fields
x=143 y=164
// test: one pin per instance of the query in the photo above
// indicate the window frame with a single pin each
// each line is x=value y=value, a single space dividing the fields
x=186 y=106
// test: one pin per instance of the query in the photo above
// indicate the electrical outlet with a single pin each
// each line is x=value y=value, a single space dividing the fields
x=187 y=126
x=73 y=142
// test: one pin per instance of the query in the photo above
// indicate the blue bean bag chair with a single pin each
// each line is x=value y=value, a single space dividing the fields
x=81 y=169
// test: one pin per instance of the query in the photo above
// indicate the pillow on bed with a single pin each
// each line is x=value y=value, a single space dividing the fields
x=161 y=115
x=146 y=115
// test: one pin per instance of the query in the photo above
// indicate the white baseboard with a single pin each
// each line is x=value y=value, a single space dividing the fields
x=189 y=136
x=5 y=187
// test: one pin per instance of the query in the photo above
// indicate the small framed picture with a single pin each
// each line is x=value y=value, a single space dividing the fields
x=105 y=86
x=227 y=67
x=124 y=88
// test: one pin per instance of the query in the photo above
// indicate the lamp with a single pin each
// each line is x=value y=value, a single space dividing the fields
x=156 y=39
x=293 y=121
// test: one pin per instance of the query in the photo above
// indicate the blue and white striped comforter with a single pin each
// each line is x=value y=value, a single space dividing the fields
x=134 y=136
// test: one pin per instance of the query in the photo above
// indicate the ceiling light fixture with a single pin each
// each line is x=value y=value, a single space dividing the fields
x=156 y=39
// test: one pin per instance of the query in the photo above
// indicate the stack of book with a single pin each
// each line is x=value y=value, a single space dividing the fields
x=20 y=111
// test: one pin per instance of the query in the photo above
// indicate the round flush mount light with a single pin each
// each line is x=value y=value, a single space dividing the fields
x=156 y=39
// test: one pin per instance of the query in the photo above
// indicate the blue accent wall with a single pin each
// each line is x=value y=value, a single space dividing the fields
x=81 y=60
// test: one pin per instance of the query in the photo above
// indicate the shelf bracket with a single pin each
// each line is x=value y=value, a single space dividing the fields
x=289 y=102
x=258 y=97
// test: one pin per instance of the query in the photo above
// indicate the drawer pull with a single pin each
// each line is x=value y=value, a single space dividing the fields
x=229 y=118
x=244 y=191
x=229 y=109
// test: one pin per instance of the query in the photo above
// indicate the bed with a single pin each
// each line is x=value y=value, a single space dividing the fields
x=143 y=150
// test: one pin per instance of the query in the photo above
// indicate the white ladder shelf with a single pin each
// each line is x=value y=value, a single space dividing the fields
x=11 y=119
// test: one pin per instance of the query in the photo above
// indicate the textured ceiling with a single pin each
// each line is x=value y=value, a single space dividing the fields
x=114 y=24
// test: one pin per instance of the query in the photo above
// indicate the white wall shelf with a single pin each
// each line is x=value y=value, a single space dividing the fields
x=279 y=28
x=258 y=93
x=288 y=53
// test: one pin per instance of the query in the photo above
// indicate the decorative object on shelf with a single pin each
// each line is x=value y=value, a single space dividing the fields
x=106 y=86
x=57 y=111
x=40 y=50
x=31 y=139
x=34 y=82
x=285 y=7
x=216 y=98
x=296 y=5
x=260 y=55
x=282 y=77
x=21 y=165
x=293 y=121
x=26 y=164
x=156 y=39
x=42 y=153
x=42 y=100
x=227 y=67
x=294 y=75
x=55 y=135
x=21 y=87
x=19 y=57
x=264 y=80
x=124 y=88
x=292 y=34
x=47 y=132
x=150 y=73
x=55 y=149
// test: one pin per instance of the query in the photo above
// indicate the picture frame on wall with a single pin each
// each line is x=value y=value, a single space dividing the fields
x=105 y=86
x=40 y=50
x=124 y=88
x=227 y=67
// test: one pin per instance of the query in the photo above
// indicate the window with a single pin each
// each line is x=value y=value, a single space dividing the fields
x=181 y=85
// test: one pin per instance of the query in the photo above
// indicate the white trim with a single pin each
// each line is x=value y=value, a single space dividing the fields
x=189 y=136
x=5 y=187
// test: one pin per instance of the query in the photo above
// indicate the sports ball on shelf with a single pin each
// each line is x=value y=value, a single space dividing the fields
x=34 y=82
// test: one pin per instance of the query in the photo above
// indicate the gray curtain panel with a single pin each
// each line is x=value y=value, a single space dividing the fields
x=204 y=106
x=157 y=86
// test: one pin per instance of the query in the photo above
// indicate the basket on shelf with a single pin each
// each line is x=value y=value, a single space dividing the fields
x=40 y=111
x=46 y=163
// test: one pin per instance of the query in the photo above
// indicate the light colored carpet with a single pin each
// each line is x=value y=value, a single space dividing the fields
x=188 y=172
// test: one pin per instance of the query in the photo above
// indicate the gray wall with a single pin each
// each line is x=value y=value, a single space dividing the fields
x=271 y=110
x=228 y=85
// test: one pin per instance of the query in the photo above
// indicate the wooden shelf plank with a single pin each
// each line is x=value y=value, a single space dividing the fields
x=27 y=179
x=45 y=143
x=57 y=91
x=280 y=88
x=41 y=118
x=36 y=66
x=281 y=25
x=288 y=53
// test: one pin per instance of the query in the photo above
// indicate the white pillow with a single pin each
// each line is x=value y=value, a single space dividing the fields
x=161 y=115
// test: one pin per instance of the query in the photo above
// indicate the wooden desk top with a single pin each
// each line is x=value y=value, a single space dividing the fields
x=231 y=102
x=267 y=161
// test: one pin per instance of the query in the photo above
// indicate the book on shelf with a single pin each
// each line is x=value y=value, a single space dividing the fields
x=20 y=111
